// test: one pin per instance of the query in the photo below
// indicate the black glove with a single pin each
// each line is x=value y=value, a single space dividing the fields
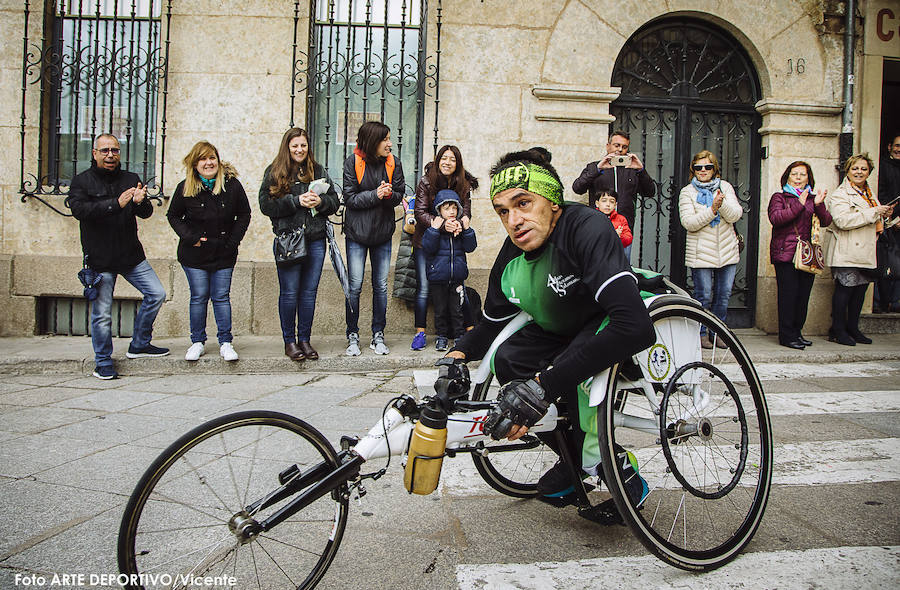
x=456 y=373
x=520 y=402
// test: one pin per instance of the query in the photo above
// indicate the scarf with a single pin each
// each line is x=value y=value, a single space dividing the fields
x=793 y=191
x=208 y=183
x=706 y=193
x=872 y=201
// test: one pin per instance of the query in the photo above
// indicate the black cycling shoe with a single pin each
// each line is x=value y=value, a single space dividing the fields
x=557 y=482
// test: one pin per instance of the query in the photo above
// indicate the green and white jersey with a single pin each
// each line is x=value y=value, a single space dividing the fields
x=559 y=283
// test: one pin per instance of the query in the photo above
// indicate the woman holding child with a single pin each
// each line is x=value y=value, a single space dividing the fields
x=285 y=197
x=445 y=172
x=708 y=208
x=445 y=251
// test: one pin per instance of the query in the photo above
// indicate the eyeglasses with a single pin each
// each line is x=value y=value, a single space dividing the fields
x=699 y=167
x=112 y=151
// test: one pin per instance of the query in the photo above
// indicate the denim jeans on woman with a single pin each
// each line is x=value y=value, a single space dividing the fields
x=712 y=288
x=209 y=285
x=298 y=285
x=144 y=279
x=380 y=257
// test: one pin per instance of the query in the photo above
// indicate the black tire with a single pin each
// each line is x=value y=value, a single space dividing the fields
x=515 y=470
x=708 y=472
x=177 y=519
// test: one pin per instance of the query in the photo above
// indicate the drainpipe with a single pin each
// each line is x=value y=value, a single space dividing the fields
x=846 y=137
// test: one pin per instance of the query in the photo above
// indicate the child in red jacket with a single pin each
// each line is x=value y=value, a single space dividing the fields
x=606 y=202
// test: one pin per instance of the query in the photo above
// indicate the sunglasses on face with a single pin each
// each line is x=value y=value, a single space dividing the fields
x=108 y=150
x=699 y=167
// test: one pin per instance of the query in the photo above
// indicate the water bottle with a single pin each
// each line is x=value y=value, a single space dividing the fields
x=426 y=451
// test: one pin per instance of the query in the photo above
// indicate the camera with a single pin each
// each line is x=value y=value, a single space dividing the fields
x=620 y=160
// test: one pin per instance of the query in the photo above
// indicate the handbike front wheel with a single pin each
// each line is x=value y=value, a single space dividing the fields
x=511 y=467
x=187 y=517
x=703 y=447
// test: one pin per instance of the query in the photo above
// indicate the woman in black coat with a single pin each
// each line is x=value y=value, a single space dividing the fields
x=210 y=213
x=285 y=197
x=373 y=186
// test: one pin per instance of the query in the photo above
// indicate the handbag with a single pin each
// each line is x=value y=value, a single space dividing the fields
x=91 y=279
x=740 y=239
x=290 y=245
x=887 y=250
x=808 y=256
x=409 y=222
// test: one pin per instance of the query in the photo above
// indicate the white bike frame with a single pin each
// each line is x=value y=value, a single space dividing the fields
x=677 y=343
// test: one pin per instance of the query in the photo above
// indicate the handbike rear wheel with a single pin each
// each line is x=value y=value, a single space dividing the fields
x=187 y=517
x=511 y=467
x=708 y=469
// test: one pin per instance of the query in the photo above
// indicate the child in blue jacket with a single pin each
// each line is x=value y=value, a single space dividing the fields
x=445 y=244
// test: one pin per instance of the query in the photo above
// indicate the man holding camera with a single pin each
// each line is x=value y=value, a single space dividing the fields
x=620 y=171
x=106 y=200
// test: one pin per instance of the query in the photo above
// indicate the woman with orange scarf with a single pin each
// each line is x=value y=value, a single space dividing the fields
x=858 y=218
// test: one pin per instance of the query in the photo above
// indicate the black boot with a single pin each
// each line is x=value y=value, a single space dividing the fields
x=854 y=309
x=839 y=302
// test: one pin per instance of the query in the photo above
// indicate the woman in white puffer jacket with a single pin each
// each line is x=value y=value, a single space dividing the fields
x=708 y=208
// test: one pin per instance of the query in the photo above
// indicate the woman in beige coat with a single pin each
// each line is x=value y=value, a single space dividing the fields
x=708 y=208
x=858 y=218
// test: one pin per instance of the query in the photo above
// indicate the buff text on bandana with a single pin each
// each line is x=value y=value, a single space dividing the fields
x=530 y=177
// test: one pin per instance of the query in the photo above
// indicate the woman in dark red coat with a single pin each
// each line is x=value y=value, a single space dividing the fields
x=791 y=213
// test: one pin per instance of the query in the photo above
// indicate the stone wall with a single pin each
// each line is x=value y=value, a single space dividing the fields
x=513 y=75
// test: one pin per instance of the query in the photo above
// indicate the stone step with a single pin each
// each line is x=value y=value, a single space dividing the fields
x=880 y=323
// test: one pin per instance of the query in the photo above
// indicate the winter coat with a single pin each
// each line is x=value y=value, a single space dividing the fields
x=425 y=203
x=850 y=239
x=369 y=220
x=627 y=182
x=286 y=213
x=788 y=218
x=445 y=253
x=889 y=182
x=405 y=284
x=222 y=219
x=707 y=246
x=618 y=221
x=109 y=236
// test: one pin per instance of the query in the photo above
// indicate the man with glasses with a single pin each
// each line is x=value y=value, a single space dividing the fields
x=618 y=170
x=106 y=199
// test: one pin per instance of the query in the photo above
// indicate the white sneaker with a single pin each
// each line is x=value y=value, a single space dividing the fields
x=378 y=344
x=353 y=344
x=227 y=351
x=195 y=351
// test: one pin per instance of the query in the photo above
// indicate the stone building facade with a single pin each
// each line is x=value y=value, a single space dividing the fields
x=492 y=75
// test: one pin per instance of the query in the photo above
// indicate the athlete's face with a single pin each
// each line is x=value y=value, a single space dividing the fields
x=529 y=218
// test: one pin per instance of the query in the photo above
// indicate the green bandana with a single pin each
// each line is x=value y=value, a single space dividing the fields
x=532 y=178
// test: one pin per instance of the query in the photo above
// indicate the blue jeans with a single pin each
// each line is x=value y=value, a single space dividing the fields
x=144 y=280
x=206 y=285
x=421 y=288
x=298 y=285
x=714 y=299
x=380 y=257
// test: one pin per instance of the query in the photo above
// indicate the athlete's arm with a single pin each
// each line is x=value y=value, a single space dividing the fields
x=629 y=331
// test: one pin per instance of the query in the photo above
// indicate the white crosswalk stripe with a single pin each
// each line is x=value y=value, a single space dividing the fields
x=841 y=567
x=797 y=463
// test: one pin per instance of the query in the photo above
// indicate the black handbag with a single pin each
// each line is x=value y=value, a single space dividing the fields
x=290 y=246
x=887 y=250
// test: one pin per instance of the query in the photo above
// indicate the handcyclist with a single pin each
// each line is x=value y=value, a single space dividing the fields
x=564 y=265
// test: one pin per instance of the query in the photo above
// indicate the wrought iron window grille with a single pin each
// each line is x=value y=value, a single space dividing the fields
x=369 y=60
x=101 y=67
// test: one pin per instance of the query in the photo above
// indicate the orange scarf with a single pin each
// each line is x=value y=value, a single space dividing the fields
x=873 y=202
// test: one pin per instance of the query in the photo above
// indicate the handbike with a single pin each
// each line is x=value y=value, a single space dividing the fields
x=262 y=496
